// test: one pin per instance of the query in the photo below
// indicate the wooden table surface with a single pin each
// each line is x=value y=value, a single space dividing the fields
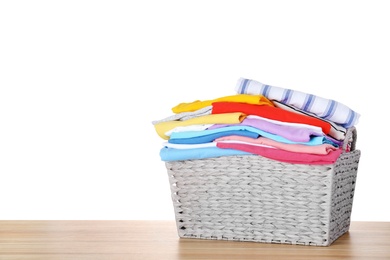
x=151 y=240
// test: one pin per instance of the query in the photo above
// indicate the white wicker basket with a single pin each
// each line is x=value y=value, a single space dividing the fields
x=252 y=198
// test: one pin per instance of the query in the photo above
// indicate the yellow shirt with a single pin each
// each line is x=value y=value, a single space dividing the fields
x=241 y=98
x=226 y=118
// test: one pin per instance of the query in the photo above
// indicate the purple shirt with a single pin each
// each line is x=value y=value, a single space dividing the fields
x=293 y=133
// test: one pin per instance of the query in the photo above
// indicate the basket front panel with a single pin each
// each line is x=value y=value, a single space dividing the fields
x=251 y=198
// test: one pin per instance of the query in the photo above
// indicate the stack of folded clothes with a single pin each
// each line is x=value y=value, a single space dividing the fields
x=276 y=123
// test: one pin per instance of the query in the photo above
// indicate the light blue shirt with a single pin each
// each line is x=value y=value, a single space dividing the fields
x=315 y=140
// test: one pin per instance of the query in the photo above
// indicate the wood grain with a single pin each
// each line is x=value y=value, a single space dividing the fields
x=151 y=240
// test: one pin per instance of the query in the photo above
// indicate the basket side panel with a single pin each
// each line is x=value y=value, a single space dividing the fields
x=343 y=188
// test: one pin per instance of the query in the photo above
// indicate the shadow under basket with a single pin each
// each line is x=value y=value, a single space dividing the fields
x=252 y=198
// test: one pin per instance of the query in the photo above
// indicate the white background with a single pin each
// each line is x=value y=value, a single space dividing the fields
x=81 y=82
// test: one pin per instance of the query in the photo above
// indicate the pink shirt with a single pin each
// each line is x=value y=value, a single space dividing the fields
x=284 y=156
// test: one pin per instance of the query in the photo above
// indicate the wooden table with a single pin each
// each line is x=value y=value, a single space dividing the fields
x=159 y=240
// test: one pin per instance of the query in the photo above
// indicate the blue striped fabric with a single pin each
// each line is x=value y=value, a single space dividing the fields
x=324 y=108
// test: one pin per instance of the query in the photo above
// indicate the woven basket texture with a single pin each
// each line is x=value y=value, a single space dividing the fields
x=252 y=198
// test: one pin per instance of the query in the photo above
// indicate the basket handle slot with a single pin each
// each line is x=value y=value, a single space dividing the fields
x=350 y=139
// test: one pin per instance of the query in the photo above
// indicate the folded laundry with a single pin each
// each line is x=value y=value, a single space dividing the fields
x=322 y=107
x=244 y=130
x=263 y=141
x=185 y=115
x=336 y=131
x=274 y=113
x=282 y=155
x=189 y=146
x=200 y=137
x=242 y=98
x=172 y=154
x=301 y=133
x=225 y=118
x=260 y=120
x=187 y=128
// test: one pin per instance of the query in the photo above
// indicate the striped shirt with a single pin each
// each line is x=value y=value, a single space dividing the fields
x=324 y=108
